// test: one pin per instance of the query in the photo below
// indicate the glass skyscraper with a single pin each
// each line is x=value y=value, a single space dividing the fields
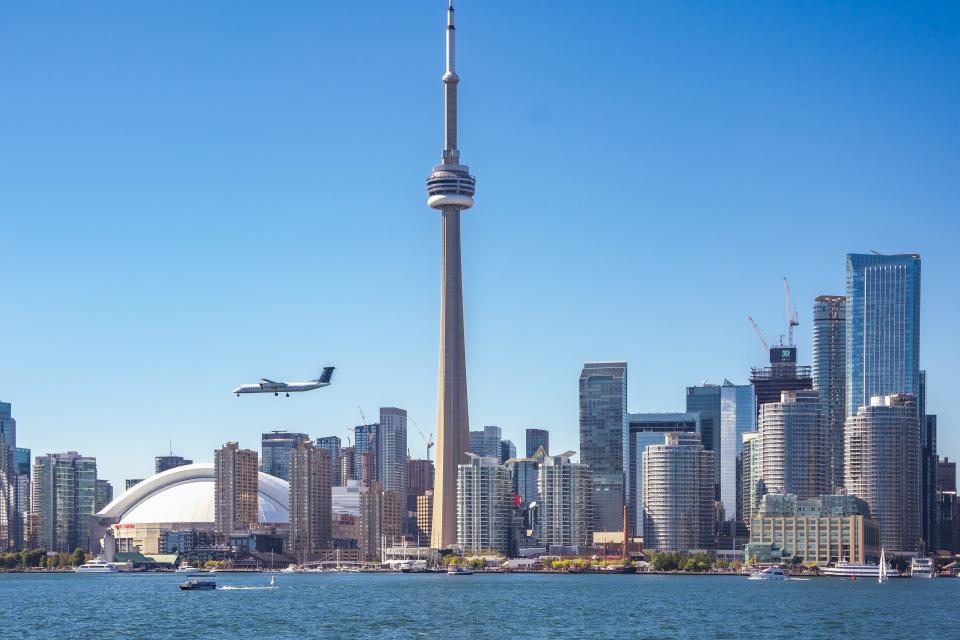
x=738 y=415
x=883 y=327
x=275 y=448
x=830 y=374
x=705 y=400
x=392 y=449
x=64 y=497
x=331 y=444
x=537 y=438
x=603 y=414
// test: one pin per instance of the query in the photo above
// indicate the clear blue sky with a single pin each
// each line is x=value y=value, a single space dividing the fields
x=195 y=195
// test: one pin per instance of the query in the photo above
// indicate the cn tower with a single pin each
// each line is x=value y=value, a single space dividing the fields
x=450 y=190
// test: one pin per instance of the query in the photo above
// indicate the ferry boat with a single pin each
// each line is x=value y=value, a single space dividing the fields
x=97 y=565
x=198 y=585
x=770 y=573
x=457 y=570
x=852 y=570
x=921 y=568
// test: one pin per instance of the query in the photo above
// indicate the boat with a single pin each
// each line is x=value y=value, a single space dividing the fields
x=921 y=568
x=851 y=570
x=292 y=569
x=186 y=567
x=198 y=585
x=770 y=573
x=97 y=565
x=882 y=570
x=457 y=570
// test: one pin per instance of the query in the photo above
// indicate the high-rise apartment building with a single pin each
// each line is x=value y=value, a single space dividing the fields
x=424 y=519
x=507 y=451
x=484 y=506
x=347 y=465
x=830 y=374
x=331 y=444
x=751 y=472
x=9 y=520
x=882 y=466
x=64 y=497
x=524 y=478
x=566 y=496
x=738 y=415
x=381 y=520
x=104 y=495
x=947 y=475
x=366 y=443
x=130 y=483
x=22 y=494
x=310 y=499
x=883 y=328
x=644 y=429
x=163 y=463
x=678 y=490
x=419 y=477
x=236 y=489
x=603 y=415
x=392 y=449
x=795 y=447
x=537 y=438
x=486 y=442
x=275 y=448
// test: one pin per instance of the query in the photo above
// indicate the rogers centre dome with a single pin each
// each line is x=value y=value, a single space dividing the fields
x=185 y=495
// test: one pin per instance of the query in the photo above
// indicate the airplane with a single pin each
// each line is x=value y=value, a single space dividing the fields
x=267 y=386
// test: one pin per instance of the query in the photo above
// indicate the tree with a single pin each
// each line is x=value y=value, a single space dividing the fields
x=78 y=557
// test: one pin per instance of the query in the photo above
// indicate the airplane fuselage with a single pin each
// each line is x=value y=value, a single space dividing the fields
x=280 y=387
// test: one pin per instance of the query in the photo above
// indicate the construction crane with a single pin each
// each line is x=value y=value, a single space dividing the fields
x=756 y=328
x=362 y=417
x=792 y=317
x=427 y=440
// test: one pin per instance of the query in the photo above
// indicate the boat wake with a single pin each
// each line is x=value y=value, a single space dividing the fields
x=247 y=588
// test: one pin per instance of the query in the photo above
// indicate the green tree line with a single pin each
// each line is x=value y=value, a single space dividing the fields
x=39 y=559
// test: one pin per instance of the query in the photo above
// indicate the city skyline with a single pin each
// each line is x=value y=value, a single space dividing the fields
x=149 y=358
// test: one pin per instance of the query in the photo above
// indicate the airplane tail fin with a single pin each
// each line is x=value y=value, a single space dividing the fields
x=326 y=375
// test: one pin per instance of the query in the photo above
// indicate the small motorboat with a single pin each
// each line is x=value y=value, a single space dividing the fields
x=457 y=570
x=198 y=585
x=770 y=573
x=188 y=568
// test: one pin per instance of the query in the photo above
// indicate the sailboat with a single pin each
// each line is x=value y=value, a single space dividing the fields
x=882 y=573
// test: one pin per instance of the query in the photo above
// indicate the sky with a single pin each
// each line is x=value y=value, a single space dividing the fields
x=198 y=195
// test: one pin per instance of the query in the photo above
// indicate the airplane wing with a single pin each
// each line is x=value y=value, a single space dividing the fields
x=267 y=381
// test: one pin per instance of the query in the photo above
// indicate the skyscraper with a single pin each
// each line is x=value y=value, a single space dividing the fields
x=506 y=451
x=23 y=493
x=347 y=465
x=104 y=495
x=678 y=491
x=883 y=328
x=64 y=498
x=928 y=471
x=419 y=477
x=882 y=466
x=381 y=520
x=830 y=374
x=162 y=463
x=783 y=374
x=794 y=444
x=566 y=502
x=705 y=400
x=751 y=471
x=365 y=446
x=738 y=415
x=310 y=502
x=392 y=449
x=8 y=479
x=484 y=506
x=486 y=443
x=236 y=489
x=331 y=444
x=450 y=189
x=603 y=411
x=537 y=438
x=275 y=448
x=644 y=429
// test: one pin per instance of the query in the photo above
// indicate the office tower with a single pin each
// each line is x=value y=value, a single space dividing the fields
x=347 y=465
x=310 y=502
x=236 y=488
x=946 y=475
x=795 y=445
x=419 y=477
x=104 y=495
x=566 y=502
x=392 y=449
x=603 y=411
x=751 y=471
x=883 y=328
x=928 y=481
x=450 y=189
x=275 y=448
x=486 y=443
x=830 y=374
x=22 y=493
x=537 y=438
x=64 y=498
x=9 y=522
x=507 y=451
x=163 y=463
x=132 y=482
x=882 y=466
x=424 y=518
x=331 y=444
x=678 y=504
x=484 y=506
x=645 y=429
x=381 y=520
x=365 y=441
x=738 y=415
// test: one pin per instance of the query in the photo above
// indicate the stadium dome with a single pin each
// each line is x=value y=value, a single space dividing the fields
x=185 y=495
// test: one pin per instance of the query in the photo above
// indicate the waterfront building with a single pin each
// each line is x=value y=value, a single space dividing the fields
x=310 y=499
x=162 y=463
x=537 y=438
x=824 y=529
x=331 y=444
x=795 y=446
x=882 y=466
x=347 y=465
x=64 y=497
x=507 y=450
x=644 y=429
x=484 y=506
x=830 y=375
x=738 y=415
x=381 y=520
x=486 y=443
x=275 y=448
x=603 y=414
x=9 y=520
x=104 y=494
x=424 y=518
x=751 y=475
x=365 y=446
x=392 y=449
x=129 y=483
x=235 y=500
x=566 y=491
x=883 y=328
x=450 y=189
x=678 y=492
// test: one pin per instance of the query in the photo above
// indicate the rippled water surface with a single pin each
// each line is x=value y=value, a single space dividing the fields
x=478 y=606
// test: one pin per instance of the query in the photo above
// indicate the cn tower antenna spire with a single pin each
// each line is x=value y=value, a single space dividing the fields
x=451 y=155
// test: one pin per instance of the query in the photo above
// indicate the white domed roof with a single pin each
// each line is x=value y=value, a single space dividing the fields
x=185 y=495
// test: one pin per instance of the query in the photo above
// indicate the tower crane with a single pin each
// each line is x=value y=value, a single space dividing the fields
x=756 y=328
x=792 y=316
x=427 y=440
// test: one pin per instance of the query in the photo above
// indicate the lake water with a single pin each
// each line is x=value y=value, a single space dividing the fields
x=479 y=606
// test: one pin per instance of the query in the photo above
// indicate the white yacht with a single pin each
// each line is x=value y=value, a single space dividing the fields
x=97 y=565
x=921 y=568
x=770 y=573
x=187 y=568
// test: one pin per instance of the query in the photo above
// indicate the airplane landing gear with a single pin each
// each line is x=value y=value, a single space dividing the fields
x=275 y=393
x=288 y=395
